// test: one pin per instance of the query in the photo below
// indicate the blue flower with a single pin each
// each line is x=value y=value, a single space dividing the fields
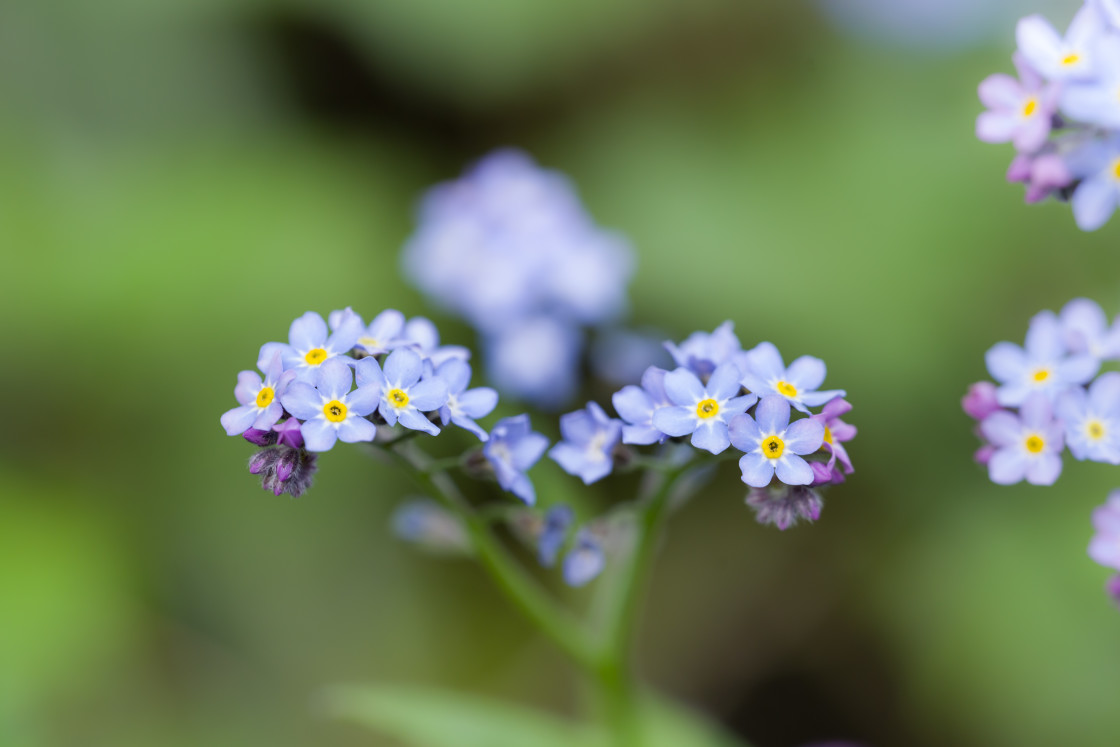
x=1092 y=419
x=329 y=409
x=1095 y=100
x=382 y=335
x=637 y=405
x=589 y=440
x=1042 y=366
x=512 y=449
x=404 y=395
x=773 y=446
x=1028 y=446
x=702 y=352
x=765 y=373
x=421 y=335
x=309 y=346
x=586 y=559
x=260 y=400
x=536 y=360
x=703 y=411
x=553 y=532
x=1058 y=58
x=463 y=406
x=1086 y=330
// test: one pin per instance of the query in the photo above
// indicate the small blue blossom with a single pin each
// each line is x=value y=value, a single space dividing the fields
x=1086 y=330
x=703 y=411
x=421 y=335
x=585 y=560
x=512 y=449
x=765 y=373
x=404 y=395
x=1057 y=57
x=429 y=525
x=463 y=406
x=1094 y=101
x=329 y=409
x=1026 y=446
x=536 y=360
x=1042 y=366
x=702 y=352
x=1092 y=419
x=383 y=334
x=553 y=532
x=1097 y=164
x=773 y=446
x=260 y=400
x=309 y=346
x=637 y=405
x=590 y=437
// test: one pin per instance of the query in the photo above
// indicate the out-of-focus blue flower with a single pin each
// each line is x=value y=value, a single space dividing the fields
x=1095 y=101
x=428 y=525
x=1092 y=419
x=309 y=345
x=783 y=505
x=636 y=405
x=536 y=360
x=702 y=352
x=510 y=240
x=1026 y=446
x=1097 y=164
x=1104 y=548
x=462 y=406
x=585 y=560
x=700 y=410
x=620 y=356
x=765 y=373
x=1044 y=173
x=772 y=445
x=836 y=432
x=590 y=437
x=421 y=335
x=1042 y=366
x=329 y=409
x=260 y=400
x=553 y=532
x=403 y=396
x=1109 y=11
x=512 y=449
x=1019 y=111
x=1061 y=58
x=1085 y=329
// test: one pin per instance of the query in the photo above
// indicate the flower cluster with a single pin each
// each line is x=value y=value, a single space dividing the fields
x=1045 y=397
x=720 y=396
x=1062 y=113
x=347 y=381
x=509 y=248
x=587 y=547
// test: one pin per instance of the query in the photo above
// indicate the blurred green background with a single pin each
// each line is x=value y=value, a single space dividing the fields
x=179 y=180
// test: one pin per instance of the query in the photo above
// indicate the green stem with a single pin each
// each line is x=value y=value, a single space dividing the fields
x=554 y=621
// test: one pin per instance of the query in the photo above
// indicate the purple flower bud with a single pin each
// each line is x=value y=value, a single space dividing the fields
x=259 y=437
x=261 y=461
x=1112 y=586
x=289 y=433
x=825 y=473
x=980 y=402
x=286 y=464
x=984 y=454
x=783 y=506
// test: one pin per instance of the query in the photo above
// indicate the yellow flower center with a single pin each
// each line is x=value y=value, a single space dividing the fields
x=786 y=388
x=1095 y=429
x=827 y=435
x=369 y=342
x=1116 y=168
x=397 y=398
x=707 y=408
x=315 y=356
x=1041 y=375
x=1071 y=59
x=335 y=411
x=1030 y=107
x=773 y=447
x=265 y=397
x=1034 y=444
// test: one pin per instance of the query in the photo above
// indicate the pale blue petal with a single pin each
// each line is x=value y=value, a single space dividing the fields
x=764 y=362
x=806 y=373
x=641 y=435
x=403 y=368
x=578 y=427
x=1071 y=404
x=632 y=404
x=583 y=564
x=422 y=332
x=1002 y=428
x=522 y=487
x=307 y=332
x=735 y=406
x=410 y=417
x=364 y=400
x=268 y=416
x=239 y=419
x=676 y=421
x=1044 y=337
x=571 y=459
x=757 y=470
x=724 y=382
x=369 y=373
x=683 y=388
x=1093 y=202
x=793 y=470
x=335 y=378
x=388 y=412
x=804 y=437
x=347 y=334
x=469 y=425
x=816 y=399
x=318 y=434
x=744 y=433
x=756 y=385
x=711 y=435
x=338 y=317
x=1078 y=369
x=269 y=350
x=303 y=401
x=386 y=326
x=478 y=403
x=528 y=450
x=1006 y=361
x=353 y=430
x=1044 y=469
x=456 y=373
x=1036 y=411
x=1007 y=466
x=428 y=395
x=1105 y=392
x=772 y=414
x=248 y=385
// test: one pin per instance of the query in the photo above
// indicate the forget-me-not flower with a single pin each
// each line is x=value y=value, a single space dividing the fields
x=1057 y=57
x=1097 y=164
x=585 y=560
x=1096 y=100
x=1040 y=366
x=589 y=438
x=636 y=406
x=836 y=433
x=463 y=406
x=382 y=335
x=1104 y=548
x=765 y=373
x=774 y=446
x=260 y=399
x=1086 y=330
x=512 y=449
x=702 y=410
x=1092 y=419
x=1019 y=111
x=309 y=345
x=404 y=395
x=329 y=409
x=553 y=532
x=702 y=352
x=1028 y=445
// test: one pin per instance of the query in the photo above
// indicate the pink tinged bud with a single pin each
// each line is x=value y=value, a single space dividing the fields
x=259 y=461
x=286 y=464
x=1020 y=169
x=980 y=402
x=1112 y=586
x=984 y=454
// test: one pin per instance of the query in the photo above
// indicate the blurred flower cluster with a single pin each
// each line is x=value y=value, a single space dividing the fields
x=510 y=248
x=1062 y=112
